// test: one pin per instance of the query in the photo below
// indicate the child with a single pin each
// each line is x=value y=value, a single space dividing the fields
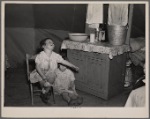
x=46 y=63
x=137 y=96
x=64 y=85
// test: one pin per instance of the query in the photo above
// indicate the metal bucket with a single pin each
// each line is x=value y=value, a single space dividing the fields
x=116 y=34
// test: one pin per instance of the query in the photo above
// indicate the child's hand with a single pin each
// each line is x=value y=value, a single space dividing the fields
x=76 y=69
x=45 y=79
x=47 y=84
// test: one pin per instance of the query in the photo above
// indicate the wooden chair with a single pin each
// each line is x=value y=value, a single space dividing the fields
x=34 y=88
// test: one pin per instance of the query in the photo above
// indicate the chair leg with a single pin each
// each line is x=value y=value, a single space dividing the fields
x=53 y=94
x=31 y=88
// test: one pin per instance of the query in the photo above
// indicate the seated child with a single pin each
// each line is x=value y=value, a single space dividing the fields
x=46 y=64
x=64 y=85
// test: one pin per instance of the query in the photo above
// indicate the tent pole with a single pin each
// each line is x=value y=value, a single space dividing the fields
x=129 y=23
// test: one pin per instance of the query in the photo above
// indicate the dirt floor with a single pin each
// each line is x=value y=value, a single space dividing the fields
x=17 y=93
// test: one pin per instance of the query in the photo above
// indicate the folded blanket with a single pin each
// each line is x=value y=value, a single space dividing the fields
x=137 y=43
x=138 y=57
x=137 y=54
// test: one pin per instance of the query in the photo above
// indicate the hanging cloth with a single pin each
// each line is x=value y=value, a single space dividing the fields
x=118 y=14
x=94 y=14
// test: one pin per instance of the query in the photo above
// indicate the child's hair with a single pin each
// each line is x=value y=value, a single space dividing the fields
x=42 y=42
x=63 y=53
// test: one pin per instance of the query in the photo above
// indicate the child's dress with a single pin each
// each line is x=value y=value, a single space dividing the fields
x=63 y=80
x=47 y=64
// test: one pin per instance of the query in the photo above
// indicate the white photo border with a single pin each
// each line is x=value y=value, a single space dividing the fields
x=73 y=112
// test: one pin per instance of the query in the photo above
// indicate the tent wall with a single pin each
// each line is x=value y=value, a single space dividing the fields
x=19 y=32
x=19 y=15
x=18 y=41
x=27 y=24
x=138 y=21
x=67 y=17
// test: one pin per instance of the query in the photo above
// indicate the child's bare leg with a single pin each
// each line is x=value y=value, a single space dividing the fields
x=42 y=83
x=75 y=99
x=66 y=97
x=45 y=85
x=51 y=80
x=45 y=96
x=72 y=88
x=73 y=96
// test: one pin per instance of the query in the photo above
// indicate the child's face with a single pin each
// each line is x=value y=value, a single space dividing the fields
x=49 y=44
x=62 y=67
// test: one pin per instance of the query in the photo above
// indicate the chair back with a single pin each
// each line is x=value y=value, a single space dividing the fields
x=30 y=61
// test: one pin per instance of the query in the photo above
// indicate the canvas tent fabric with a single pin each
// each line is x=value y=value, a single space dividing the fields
x=67 y=17
x=27 y=24
x=19 y=15
x=18 y=41
x=138 y=21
